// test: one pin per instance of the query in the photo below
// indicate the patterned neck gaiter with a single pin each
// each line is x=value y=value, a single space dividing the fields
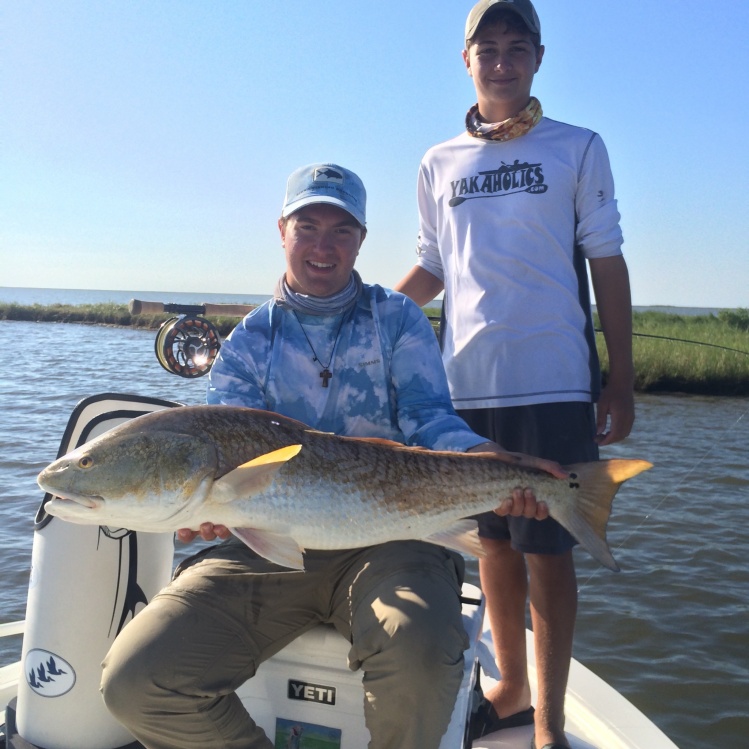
x=513 y=127
x=343 y=301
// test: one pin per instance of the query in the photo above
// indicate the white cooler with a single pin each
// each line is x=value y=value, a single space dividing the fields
x=306 y=694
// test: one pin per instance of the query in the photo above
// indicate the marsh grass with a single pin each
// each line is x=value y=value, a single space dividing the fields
x=98 y=314
x=707 y=354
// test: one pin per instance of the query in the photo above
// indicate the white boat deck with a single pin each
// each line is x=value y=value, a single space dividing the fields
x=598 y=717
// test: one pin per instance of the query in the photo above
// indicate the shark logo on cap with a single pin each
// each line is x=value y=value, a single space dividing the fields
x=325 y=183
x=327 y=174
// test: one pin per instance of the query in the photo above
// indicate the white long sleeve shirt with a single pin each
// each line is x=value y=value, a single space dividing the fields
x=499 y=223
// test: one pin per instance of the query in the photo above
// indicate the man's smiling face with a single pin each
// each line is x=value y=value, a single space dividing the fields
x=321 y=242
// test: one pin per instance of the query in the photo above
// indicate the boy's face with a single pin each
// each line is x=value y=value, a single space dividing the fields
x=502 y=63
x=321 y=243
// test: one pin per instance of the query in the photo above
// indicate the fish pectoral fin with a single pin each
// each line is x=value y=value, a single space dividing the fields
x=462 y=536
x=275 y=547
x=253 y=476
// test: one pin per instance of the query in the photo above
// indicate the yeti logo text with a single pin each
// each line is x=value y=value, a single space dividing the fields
x=506 y=180
x=301 y=690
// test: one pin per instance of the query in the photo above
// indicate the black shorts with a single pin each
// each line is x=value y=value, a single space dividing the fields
x=564 y=432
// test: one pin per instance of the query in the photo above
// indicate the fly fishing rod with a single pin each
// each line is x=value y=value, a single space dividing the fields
x=187 y=344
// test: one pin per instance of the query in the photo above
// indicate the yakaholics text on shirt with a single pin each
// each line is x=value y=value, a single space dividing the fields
x=505 y=180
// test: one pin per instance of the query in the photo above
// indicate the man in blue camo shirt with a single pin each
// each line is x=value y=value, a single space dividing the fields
x=343 y=357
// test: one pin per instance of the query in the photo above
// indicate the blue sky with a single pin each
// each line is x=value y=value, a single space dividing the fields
x=145 y=144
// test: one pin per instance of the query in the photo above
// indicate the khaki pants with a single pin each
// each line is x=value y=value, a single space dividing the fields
x=171 y=675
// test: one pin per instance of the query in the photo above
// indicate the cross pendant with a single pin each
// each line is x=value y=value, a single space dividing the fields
x=326 y=374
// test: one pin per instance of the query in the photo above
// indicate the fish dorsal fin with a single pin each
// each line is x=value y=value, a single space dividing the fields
x=253 y=476
x=376 y=441
x=391 y=443
x=383 y=442
x=276 y=548
x=462 y=536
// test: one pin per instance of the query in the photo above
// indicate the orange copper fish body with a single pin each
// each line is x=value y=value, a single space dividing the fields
x=283 y=487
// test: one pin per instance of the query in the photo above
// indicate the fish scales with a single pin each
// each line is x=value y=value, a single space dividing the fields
x=284 y=487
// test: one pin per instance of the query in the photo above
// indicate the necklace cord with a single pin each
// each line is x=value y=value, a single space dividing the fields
x=325 y=372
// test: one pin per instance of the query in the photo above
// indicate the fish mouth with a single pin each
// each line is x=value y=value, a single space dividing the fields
x=89 y=502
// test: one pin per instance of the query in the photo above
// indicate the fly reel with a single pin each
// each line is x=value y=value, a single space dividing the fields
x=187 y=345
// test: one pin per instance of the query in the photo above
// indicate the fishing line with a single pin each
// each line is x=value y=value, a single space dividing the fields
x=686 y=476
x=684 y=340
x=710 y=449
x=668 y=496
x=434 y=320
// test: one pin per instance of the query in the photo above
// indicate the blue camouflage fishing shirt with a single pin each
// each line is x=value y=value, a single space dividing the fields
x=388 y=379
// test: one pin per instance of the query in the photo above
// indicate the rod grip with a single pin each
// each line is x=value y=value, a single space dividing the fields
x=140 y=307
x=137 y=307
x=228 y=310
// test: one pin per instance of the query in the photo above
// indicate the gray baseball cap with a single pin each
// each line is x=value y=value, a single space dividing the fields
x=524 y=8
x=326 y=183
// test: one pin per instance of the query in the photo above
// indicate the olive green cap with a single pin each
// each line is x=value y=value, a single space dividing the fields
x=524 y=8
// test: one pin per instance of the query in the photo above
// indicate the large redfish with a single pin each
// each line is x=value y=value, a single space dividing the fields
x=283 y=487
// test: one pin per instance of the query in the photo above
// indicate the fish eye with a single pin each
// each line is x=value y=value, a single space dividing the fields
x=86 y=462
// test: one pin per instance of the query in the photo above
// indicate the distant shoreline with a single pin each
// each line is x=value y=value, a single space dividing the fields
x=47 y=296
x=685 y=353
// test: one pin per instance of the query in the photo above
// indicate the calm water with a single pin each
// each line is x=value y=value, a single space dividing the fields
x=671 y=631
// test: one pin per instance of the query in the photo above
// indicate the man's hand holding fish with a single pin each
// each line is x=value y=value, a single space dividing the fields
x=522 y=502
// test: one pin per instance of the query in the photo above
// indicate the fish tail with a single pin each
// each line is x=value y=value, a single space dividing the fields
x=587 y=517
